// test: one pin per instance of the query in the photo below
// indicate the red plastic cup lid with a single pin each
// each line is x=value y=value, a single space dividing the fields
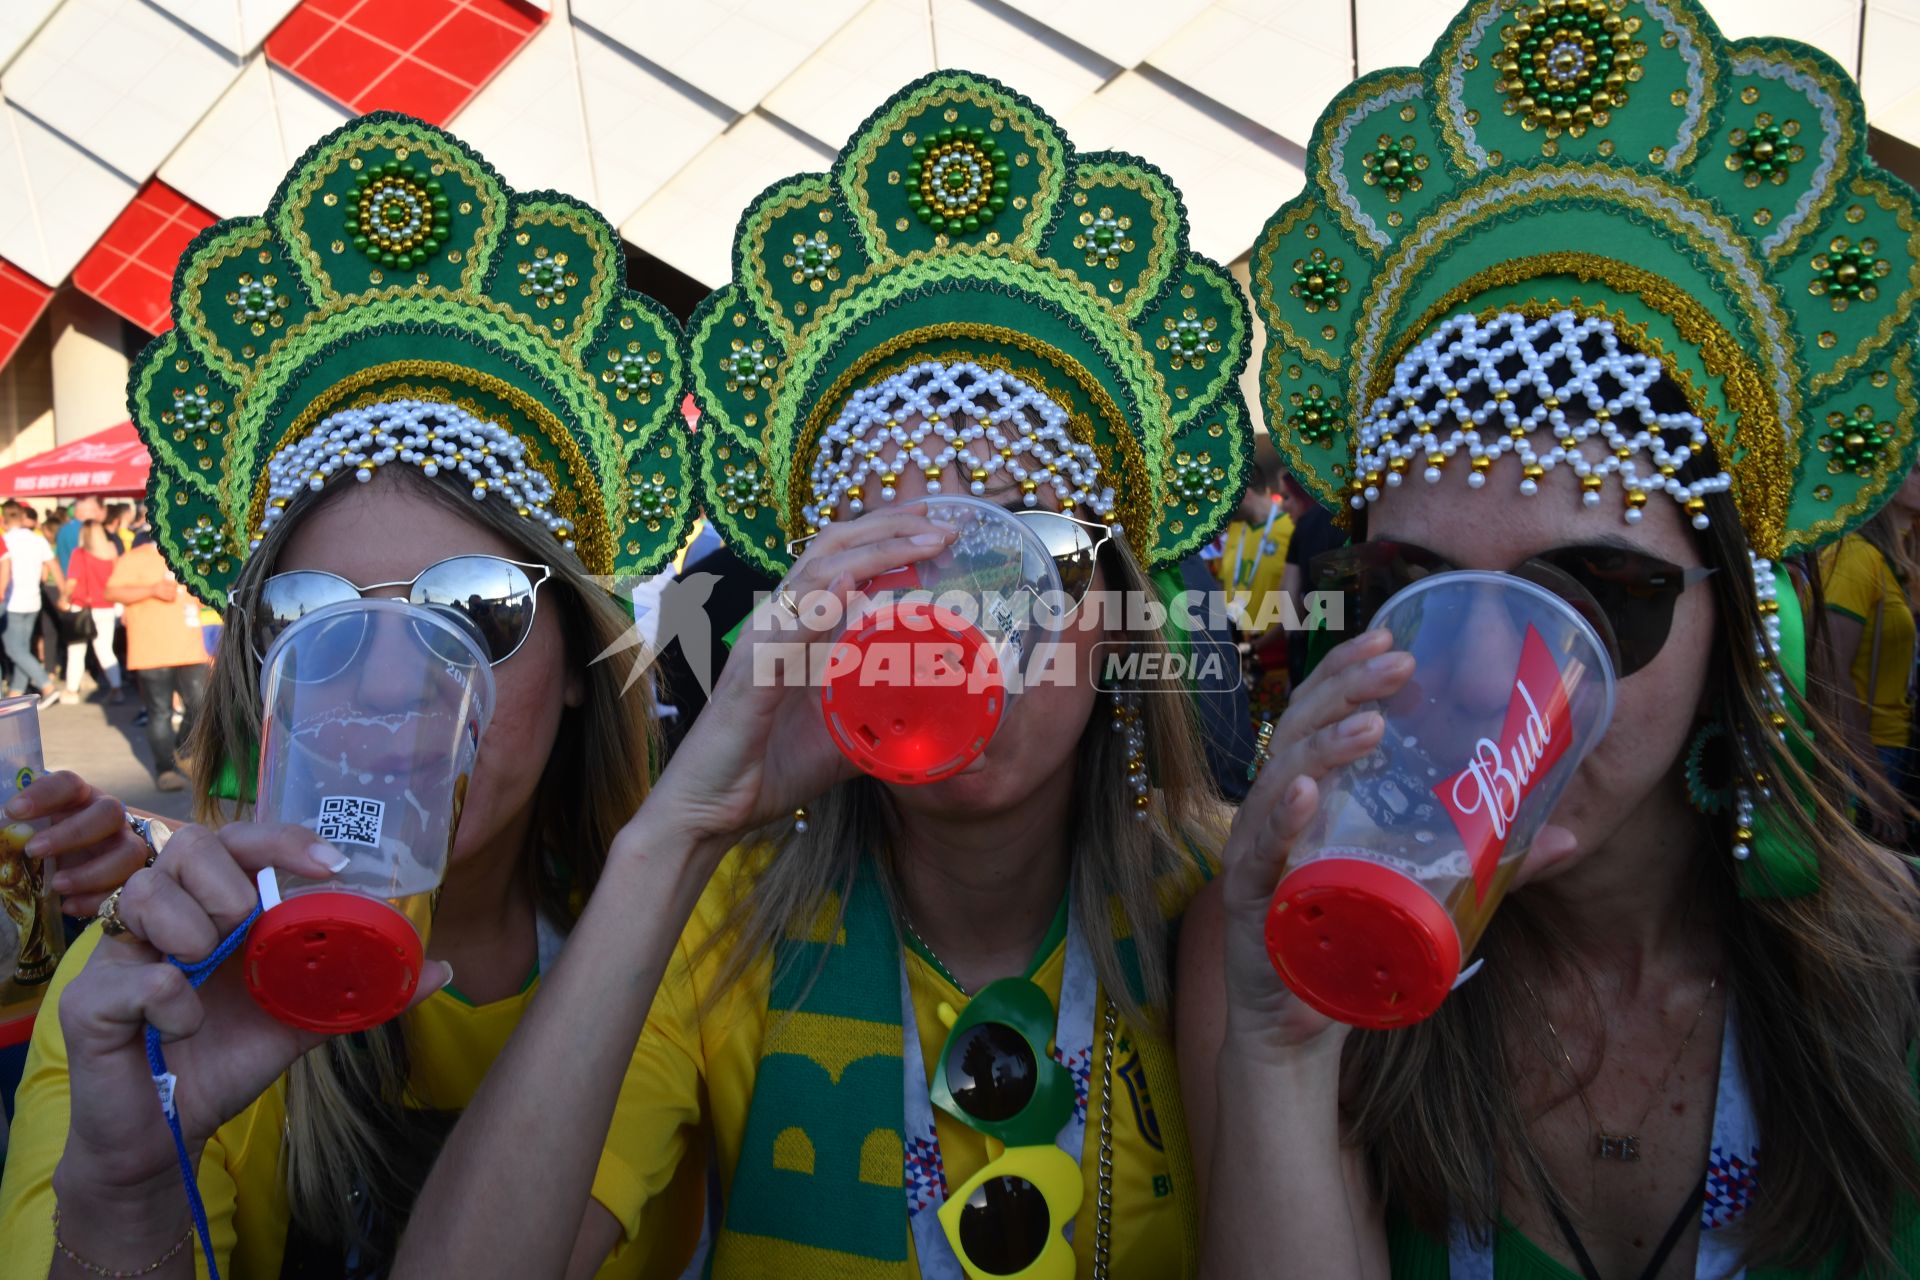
x=913 y=693
x=333 y=962
x=1362 y=943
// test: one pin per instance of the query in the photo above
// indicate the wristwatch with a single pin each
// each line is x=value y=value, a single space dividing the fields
x=151 y=832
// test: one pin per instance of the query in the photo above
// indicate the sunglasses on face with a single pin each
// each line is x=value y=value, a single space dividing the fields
x=494 y=598
x=1073 y=544
x=995 y=1076
x=1627 y=596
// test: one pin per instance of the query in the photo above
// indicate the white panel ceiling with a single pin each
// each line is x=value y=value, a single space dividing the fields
x=1890 y=74
x=239 y=25
x=689 y=223
x=120 y=78
x=529 y=120
x=1231 y=172
x=642 y=124
x=1277 y=62
x=1121 y=31
x=1396 y=33
x=733 y=50
x=235 y=156
x=984 y=36
x=19 y=19
x=1831 y=26
x=55 y=199
x=888 y=43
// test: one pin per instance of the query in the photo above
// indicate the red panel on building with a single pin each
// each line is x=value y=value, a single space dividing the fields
x=131 y=268
x=423 y=57
x=22 y=299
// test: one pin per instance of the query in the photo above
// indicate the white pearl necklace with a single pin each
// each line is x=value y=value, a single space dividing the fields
x=1566 y=387
x=885 y=428
x=433 y=437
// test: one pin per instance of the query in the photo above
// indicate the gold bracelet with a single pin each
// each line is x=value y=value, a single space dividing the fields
x=93 y=1269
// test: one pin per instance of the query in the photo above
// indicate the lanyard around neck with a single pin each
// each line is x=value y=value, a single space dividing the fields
x=1240 y=548
x=925 y=1178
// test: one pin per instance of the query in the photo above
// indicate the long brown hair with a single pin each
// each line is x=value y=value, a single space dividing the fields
x=343 y=1097
x=1122 y=868
x=1823 y=989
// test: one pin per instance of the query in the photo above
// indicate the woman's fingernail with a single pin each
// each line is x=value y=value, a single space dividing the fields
x=38 y=847
x=1385 y=662
x=329 y=857
x=1296 y=791
x=448 y=980
x=62 y=884
x=929 y=539
x=1357 y=724
x=19 y=807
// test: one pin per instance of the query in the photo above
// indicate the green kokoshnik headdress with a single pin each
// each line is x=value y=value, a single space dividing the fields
x=962 y=263
x=398 y=302
x=1614 y=173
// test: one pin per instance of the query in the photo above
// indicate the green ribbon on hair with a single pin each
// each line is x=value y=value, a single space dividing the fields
x=229 y=785
x=1784 y=863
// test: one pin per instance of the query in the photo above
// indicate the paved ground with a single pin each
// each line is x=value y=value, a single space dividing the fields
x=101 y=744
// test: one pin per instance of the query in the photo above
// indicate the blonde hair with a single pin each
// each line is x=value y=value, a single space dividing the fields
x=592 y=782
x=1128 y=873
x=1823 y=985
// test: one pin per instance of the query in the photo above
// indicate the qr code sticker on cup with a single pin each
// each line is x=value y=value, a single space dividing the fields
x=350 y=820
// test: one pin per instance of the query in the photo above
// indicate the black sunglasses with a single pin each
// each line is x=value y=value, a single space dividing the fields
x=1627 y=596
x=494 y=597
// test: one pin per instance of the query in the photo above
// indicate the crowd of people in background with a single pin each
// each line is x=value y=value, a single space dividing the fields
x=87 y=595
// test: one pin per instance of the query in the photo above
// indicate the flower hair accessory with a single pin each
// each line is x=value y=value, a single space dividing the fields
x=1566 y=199
x=398 y=304
x=963 y=290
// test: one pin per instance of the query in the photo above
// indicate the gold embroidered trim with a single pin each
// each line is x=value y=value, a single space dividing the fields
x=1360 y=101
x=1134 y=489
x=812 y=189
x=588 y=319
x=593 y=541
x=193 y=294
x=1869 y=496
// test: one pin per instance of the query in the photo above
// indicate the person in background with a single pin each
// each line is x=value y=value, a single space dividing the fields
x=1314 y=533
x=30 y=562
x=122 y=523
x=92 y=565
x=84 y=509
x=164 y=646
x=53 y=602
x=1252 y=560
x=1868 y=656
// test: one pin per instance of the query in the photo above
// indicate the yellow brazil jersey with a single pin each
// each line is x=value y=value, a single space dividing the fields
x=699 y=1072
x=1858 y=582
x=451 y=1044
x=1251 y=565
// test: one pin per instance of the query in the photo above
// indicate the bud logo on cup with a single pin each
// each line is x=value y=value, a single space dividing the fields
x=1483 y=798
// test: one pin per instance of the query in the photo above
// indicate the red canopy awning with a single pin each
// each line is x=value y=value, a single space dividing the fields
x=112 y=463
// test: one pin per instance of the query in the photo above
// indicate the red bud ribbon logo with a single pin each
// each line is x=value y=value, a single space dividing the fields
x=1483 y=798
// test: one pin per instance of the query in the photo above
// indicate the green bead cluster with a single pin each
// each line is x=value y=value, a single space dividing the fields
x=1193 y=481
x=649 y=502
x=1316 y=416
x=203 y=544
x=813 y=260
x=1848 y=272
x=545 y=279
x=632 y=373
x=957 y=180
x=743 y=487
x=1855 y=442
x=1318 y=281
x=191 y=410
x=1566 y=64
x=1394 y=167
x=1188 y=338
x=400 y=217
x=1766 y=152
x=1104 y=236
x=255 y=303
x=748 y=367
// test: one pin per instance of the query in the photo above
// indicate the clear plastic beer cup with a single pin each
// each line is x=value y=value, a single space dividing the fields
x=1389 y=889
x=934 y=653
x=373 y=711
x=26 y=897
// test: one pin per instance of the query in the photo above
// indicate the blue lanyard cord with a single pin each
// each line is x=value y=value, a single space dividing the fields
x=163 y=1083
